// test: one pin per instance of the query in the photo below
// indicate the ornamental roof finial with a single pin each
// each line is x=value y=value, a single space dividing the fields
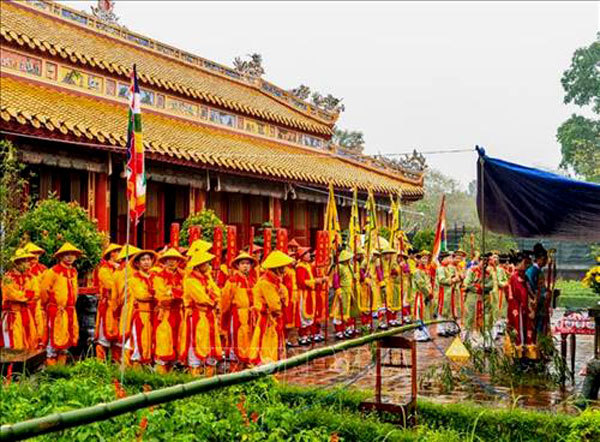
x=104 y=11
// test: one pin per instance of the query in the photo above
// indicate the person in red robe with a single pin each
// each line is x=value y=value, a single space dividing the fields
x=520 y=338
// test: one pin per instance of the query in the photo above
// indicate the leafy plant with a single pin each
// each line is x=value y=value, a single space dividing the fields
x=12 y=198
x=579 y=136
x=206 y=219
x=50 y=223
x=493 y=241
x=423 y=239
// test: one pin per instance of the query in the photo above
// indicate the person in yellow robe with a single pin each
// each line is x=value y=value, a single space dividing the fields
x=115 y=306
x=343 y=284
x=139 y=309
x=19 y=289
x=270 y=295
x=363 y=279
x=168 y=290
x=392 y=291
x=58 y=291
x=200 y=344
x=236 y=305
x=107 y=325
x=38 y=312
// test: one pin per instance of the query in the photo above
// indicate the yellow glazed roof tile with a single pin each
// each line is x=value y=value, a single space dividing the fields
x=102 y=121
x=84 y=46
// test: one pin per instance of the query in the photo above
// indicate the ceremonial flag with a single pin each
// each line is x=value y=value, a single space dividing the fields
x=136 y=176
x=354 y=224
x=395 y=227
x=332 y=223
x=439 y=243
x=371 y=230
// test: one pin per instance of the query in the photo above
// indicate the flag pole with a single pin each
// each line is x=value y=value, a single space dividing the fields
x=483 y=231
x=124 y=310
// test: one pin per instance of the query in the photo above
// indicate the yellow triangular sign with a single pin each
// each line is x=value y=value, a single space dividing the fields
x=457 y=352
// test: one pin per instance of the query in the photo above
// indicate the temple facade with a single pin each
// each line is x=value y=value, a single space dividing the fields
x=213 y=136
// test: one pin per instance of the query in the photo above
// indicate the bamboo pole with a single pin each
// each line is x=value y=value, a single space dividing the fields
x=68 y=419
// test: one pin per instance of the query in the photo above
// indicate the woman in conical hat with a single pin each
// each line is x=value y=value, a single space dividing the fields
x=58 y=291
x=19 y=289
x=236 y=304
x=269 y=300
x=139 y=332
x=107 y=326
x=168 y=290
x=200 y=343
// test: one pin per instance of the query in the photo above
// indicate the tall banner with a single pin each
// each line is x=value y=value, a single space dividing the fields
x=354 y=224
x=439 y=243
x=322 y=251
x=232 y=249
x=395 y=227
x=267 y=235
x=281 y=240
x=251 y=245
x=174 y=235
x=217 y=248
x=332 y=223
x=371 y=230
x=194 y=233
x=135 y=173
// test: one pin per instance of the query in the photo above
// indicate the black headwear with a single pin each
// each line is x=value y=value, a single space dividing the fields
x=539 y=251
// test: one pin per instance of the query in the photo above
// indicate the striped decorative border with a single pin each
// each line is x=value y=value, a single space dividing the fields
x=83 y=19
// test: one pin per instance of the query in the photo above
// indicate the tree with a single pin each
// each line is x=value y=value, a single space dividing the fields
x=493 y=241
x=12 y=200
x=460 y=205
x=580 y=136
x=423 y=240
x=206 y=219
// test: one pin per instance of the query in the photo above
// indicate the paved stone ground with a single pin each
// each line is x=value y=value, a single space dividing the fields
x=354 y=369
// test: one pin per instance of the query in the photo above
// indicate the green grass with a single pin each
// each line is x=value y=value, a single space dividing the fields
x=266 y=410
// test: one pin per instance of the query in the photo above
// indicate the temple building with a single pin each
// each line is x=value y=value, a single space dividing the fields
x=214 y=137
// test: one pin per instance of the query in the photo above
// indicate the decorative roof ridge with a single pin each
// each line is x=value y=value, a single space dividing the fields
x=117 y=69
x=368 y=160
x=90 y=23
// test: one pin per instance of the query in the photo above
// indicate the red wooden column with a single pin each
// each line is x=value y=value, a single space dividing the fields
x=275 y=212
x=102 y=201
x=197 y=200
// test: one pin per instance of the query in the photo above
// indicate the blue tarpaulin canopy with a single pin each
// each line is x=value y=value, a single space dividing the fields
x=529 y=203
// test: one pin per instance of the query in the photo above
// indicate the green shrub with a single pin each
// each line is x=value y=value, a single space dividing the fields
x=51 y=223
x=267 y=410
x=207 y=220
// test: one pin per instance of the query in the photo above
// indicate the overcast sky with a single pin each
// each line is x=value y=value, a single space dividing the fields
x=426 y=75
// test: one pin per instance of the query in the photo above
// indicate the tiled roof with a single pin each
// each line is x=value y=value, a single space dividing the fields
x=100 y=121
x=60 y=38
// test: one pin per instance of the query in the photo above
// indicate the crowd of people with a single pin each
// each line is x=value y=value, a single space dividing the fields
x=175 y=308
